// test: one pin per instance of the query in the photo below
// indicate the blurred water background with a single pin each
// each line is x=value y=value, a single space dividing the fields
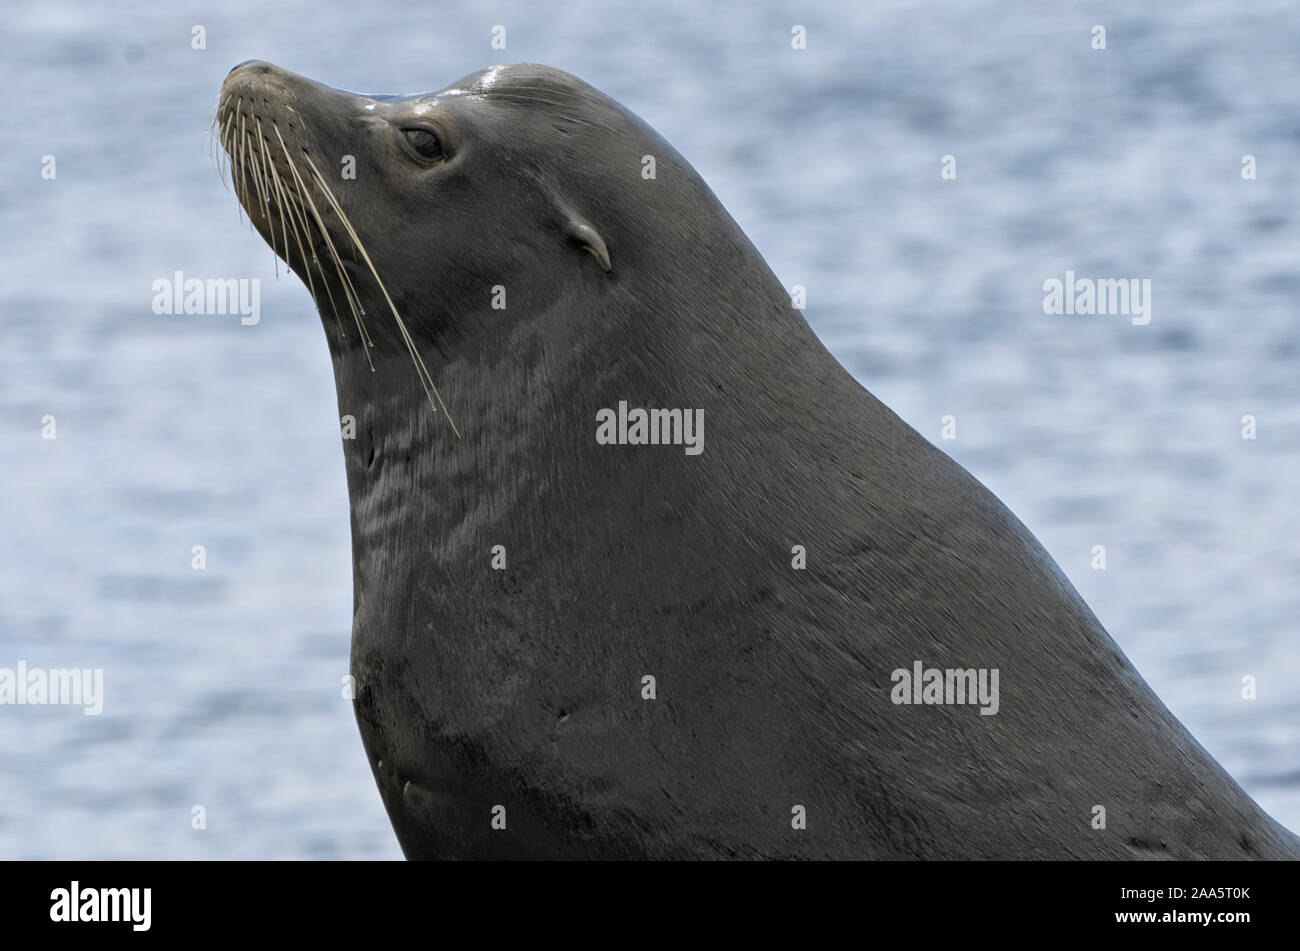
x=223 y=685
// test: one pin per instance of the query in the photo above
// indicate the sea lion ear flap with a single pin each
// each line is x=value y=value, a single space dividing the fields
x=579 y=230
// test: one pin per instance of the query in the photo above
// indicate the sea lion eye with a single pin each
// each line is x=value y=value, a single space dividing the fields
x=426 y=144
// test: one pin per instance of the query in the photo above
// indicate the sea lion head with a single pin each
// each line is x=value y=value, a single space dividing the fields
x=430 y=227
x=439 y=197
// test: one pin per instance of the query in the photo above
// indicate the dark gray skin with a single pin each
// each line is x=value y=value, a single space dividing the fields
x=523 y=687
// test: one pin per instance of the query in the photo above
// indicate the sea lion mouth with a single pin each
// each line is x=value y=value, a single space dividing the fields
x=287 y=199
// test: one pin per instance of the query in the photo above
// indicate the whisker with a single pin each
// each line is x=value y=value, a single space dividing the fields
x=266 y=200
x=226 y=132
x=256 y=180
x=241 y=183
x=426 y=378
x=353 y=299
x=306 y=202
x=288 y=214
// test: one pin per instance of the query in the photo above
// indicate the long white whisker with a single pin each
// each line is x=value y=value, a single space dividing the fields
x=266 y=199
x=288 y=215
x=241 y=179
x=305 y=193
x=427 y=377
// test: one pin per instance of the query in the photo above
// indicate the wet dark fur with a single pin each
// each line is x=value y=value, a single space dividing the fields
x=522 y=687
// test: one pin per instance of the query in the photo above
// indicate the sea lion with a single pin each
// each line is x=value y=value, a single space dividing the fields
x=573 y=636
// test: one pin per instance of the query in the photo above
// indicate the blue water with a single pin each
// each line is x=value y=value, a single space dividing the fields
x=223 y=685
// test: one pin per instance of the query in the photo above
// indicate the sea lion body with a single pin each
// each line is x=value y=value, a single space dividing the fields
x=506 y=710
